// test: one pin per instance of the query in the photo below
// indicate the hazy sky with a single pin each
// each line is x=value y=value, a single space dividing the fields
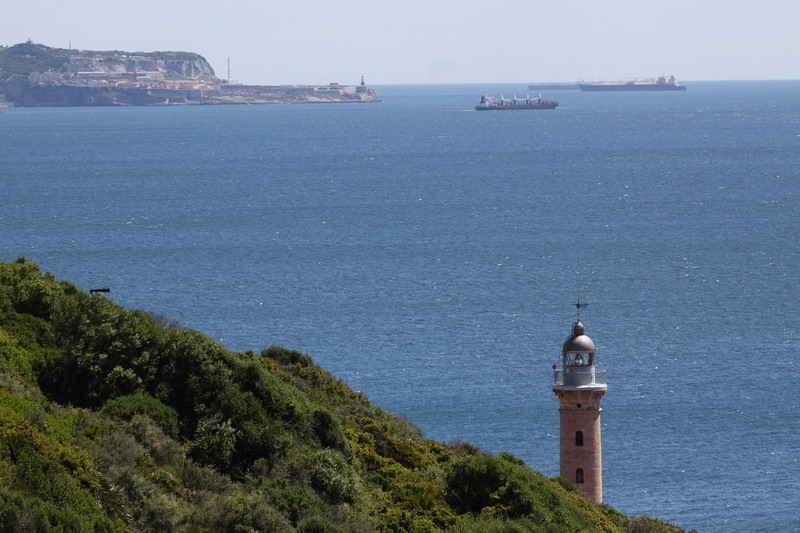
x=430 y=41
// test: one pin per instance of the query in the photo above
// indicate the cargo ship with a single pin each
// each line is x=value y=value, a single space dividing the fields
x=490 y=103
x=662 y=83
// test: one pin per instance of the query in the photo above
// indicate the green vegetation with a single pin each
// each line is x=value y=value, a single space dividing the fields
x=22 y=59
x=115 y=420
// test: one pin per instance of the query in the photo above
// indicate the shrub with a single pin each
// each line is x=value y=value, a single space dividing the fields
x=18 y=513
x=500 y=486
x=569 y=487
x=291 y=500
x=645 y=524
x=125 y=407
x=287 y=357
x=471 y=482
x=328 y=430
x=214 y=442
x=333 y=477
x=316 y=524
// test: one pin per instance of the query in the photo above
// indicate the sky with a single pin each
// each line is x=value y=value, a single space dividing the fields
x=430 y=41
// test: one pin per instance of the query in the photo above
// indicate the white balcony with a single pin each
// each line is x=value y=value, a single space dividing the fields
x=579 y=376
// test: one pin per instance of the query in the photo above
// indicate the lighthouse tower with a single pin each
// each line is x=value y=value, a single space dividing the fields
x=579 y=385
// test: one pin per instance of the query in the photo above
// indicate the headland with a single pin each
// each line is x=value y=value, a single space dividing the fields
x=35 y=75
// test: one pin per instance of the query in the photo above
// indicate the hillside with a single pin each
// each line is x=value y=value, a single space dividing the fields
x=24 y=58
x=117 y=420
x=37 y=75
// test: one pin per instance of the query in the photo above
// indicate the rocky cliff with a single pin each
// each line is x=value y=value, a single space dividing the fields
x=25 y=58
x=187 y=67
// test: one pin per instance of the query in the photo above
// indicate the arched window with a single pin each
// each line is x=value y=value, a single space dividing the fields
x=579 y=438
x=579 y=476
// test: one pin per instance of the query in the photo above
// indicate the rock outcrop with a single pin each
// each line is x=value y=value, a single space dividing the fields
x=188 y=68
x=25 y=58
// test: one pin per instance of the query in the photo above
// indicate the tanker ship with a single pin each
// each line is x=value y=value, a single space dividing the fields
x=662 y=83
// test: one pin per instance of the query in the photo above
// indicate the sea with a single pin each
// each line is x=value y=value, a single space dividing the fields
x=430 y=255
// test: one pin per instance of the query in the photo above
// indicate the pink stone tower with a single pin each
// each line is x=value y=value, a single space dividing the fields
x=579 y=385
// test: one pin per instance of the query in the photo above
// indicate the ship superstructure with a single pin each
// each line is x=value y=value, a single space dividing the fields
x=490 y=103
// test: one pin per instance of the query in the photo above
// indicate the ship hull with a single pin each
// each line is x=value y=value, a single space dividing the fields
x=513 y=107
x=629 y=87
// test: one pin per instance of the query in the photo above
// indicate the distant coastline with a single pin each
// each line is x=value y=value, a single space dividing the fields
x=34 y=75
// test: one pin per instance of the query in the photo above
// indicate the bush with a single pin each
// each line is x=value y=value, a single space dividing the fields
x=333 y=477
x=287 y=357
x=214 y=442
x=328 y=430
x=500 y=486
x=471 y=482
x=126 y=407
x=645 y=524
x=18 y=514
x=569 y=487
x=316 y=524
x=291 y=500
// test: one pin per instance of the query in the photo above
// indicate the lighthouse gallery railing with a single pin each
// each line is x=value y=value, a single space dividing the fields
x=579 y=376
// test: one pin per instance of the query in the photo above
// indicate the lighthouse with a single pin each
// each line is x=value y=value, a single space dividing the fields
x=579 y=385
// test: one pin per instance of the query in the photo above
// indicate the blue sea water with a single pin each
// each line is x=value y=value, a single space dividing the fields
x=428 y=255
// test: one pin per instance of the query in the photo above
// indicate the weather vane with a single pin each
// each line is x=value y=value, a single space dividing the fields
x=578 y=305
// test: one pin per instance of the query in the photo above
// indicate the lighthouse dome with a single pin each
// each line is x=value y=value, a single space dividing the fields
x=578 y=342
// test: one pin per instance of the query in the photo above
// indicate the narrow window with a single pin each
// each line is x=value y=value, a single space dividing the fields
x=579 y=476
x=579 y=438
